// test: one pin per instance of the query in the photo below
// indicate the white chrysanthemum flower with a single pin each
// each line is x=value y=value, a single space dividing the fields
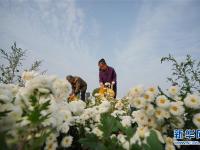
x=113 y=136
x=196 y=120
x=77 y=107
x=60 y=89
x=151 y=122
x=64 y=127
x=67 y=141
x=176 y=108
x=153 y=90
x=11 y=88
x=5 y=98
x=126 y=121
x=136 y=91
x=126 y=145
x=104 y=107
x=41 y=82
x=28 y=75
x=66 y=115
x=177 y=98
x=137 y=102
x=143 y=132
x=16 y=112
x=140 y=135
x=119 y=105
x=162 y=101
x=97 y=132
x=173 y=90
x=149 y=96
x=140 y=117
x=24 y=121
x=43 y=90
x=50 y=121
x=192 y=101
x=161 y=113
x=118 y=113
x=84 y=117
x=51 y=138
x=51 y=146
x=87 y=129
x=121 y=138
x=8 y=92
x=149 y=109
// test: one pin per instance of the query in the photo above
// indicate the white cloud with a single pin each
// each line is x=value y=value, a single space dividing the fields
x=53 y=32
x=156 y=33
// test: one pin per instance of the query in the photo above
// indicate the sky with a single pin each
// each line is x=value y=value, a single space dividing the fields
x=70 y=36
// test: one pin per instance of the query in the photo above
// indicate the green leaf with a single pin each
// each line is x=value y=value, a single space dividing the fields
x=114 y=144
x=2 y=102
x=34 y=116
x=44 y=117
x=3 y=141
x=92 y=142
x=4 y=113
x=135 y=147
x=129 y=131
x=108 y=125
x=33 y=100
x=153 y=142
x=37 y=143
x=45 y=105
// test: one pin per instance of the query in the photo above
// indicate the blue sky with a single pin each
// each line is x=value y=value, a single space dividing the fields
x=132 y=35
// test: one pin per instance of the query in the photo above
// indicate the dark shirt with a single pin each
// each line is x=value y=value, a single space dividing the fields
x=108 y=75
x=78 y=86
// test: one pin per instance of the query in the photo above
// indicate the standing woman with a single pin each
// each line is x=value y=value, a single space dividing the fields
x=107 y=74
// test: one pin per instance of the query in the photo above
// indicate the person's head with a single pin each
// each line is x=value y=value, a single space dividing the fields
x=102 y=64
x=70 y=78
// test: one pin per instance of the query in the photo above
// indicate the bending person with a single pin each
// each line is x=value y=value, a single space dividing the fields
x=79 y=86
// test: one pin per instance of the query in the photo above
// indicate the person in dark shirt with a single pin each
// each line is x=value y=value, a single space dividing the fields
x=107 y=74
x=79 y=86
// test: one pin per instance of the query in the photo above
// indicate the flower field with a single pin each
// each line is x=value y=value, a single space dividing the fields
x=38 y=116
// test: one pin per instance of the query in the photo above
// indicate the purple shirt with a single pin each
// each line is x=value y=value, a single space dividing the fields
x=108 y=75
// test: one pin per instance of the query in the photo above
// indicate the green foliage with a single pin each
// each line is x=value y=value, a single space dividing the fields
x=37 y=142
x=162 y=93
x=35 y=66
x=92 y=142
x=109 y=125
x=153 y=143
x=4 y=113
x=186 y=74
x=34 y=115
x=95 y=91
x=12 y=63
x=3 y=141
x=35 y=128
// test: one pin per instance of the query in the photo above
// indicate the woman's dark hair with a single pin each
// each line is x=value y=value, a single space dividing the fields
x=102 y=61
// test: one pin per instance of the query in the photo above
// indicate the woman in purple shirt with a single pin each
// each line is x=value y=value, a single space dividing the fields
x=107 y=74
